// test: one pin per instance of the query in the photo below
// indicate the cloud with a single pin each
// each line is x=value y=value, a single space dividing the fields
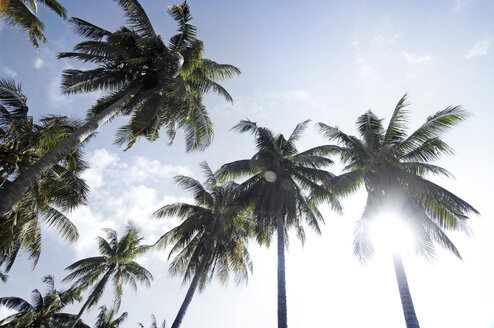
x=260 y=104
x=461 y=4
x=385 y=39
x=364 y=69
x=120 y=193
x=117 y=209
x=412 y=58
x=9 y=71
x=108 y=170
x=480 y=48
x=55 y=96
x=38 y=63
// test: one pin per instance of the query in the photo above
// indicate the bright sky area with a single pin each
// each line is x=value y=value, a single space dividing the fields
x=329 y=61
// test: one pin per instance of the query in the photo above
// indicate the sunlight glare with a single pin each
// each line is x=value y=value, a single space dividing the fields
x=390 y=234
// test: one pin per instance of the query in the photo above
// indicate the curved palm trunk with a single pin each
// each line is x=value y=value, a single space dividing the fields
x=13 y=192
x=100 y=284
x=282 y=312
x=406 y=298
x=190 y=293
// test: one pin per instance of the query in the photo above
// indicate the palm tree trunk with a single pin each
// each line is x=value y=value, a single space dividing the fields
x=101 y=284
x=14 y=191
x=282 y=312
x=79 y=315
x=406 y=298
x=190 y=293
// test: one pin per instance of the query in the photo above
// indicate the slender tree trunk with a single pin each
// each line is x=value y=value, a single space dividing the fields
x=18 y=188
x=100 y=284
x=282 y=312
x=406 y=298
x=79 y=315
x=190 y=293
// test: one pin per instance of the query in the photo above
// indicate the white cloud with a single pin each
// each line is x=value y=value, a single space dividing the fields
x=479 y=49
x=261 y=103
x=115 y=210
x=107 y=169
x=384 y=39
x=55 y=96
x=118 y=195
x=9 y=71
x=143 y=169
x=364 y=69
x=412 y=58
x=38 y=63
x=461 y=4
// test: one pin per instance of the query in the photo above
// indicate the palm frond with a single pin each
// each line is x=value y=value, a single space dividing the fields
x=137 y=17
x=88 y=30
x=434 y=126
x=245 y=126
x=187 y=32
x=370 y=129
x=60 y=222
x=396 y=130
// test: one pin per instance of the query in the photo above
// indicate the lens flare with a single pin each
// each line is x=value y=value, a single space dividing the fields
x=391 y=234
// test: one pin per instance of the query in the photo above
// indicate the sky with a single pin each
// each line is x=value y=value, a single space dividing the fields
x=328 y=61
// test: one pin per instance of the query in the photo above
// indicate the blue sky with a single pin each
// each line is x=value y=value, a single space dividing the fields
x=325 y=60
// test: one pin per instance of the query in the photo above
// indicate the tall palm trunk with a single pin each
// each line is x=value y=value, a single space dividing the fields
x=190 y=293
x=101 y=284
x=18 y=188
x=406 y=298
x=282 y=316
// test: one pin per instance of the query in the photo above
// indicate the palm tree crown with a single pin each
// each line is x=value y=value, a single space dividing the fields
x=18 y=12
x=44 y=311
x=212 y=239
x=283 y=187
x=154 y=323
x=22 y=143
x=170 y=79
x=392 y=165
x=283 y=183
x=116 y=264
x=157 y=85
x=108 y=319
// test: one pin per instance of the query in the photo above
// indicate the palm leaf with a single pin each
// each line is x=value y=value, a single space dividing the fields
x=137 y=18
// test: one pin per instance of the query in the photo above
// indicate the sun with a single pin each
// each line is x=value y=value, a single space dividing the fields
x=390 y=234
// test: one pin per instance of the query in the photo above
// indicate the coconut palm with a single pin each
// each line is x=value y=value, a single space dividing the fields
x=157 y=85
x=44 y=311
x=154 y=323
x=283 y=187
x=106 y=319
x=22 y=142
x=116 y=265
x=392 y=166
x=23 y=13
x=212 y=239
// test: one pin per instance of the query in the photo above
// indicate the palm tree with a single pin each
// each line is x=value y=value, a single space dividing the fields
x=279 y=179
x=19 y=13
x=158 y=85
x=392 y=165
x=107 y=319
x=44 y=311
x=22 y=142
x=154 y=323
x=115 y=264
x=212 y=239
